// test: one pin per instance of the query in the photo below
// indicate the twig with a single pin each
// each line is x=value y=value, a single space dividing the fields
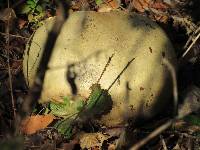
x=121 y=73
x=163 y=143
x=193 y=42
x=185 y=22
x=12 y=35
x=8 y=63
x=152 y=135
x=191 y=37
x=104 y=69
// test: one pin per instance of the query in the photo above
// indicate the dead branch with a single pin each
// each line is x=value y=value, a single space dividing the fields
x=7 y=20
x=152 y=135
x=193 y=42
x=107 y=64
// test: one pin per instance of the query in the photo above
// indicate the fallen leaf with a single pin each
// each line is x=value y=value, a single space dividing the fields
x=92 y=140
x=21 y=23
x=161 y=18
x=108 y=5
x=32 y=124
x=79 y=4
x=141 y=5
x=113 y=3
x=159 y=5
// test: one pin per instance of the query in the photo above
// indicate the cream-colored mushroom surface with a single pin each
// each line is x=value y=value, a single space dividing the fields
x=83 y=48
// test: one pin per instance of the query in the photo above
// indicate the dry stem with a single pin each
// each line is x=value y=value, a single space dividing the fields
x=8 y=63
x=193 y=42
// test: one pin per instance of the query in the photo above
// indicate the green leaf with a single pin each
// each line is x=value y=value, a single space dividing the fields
x=25 y=9
x=99 y=101
x=98 y=2
x=65 y=127
x=195 y=120
x=31 y=3
x=39 y=9
x=67 y=108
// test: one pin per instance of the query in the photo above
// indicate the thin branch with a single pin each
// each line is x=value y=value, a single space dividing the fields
x=107 y=64
x=163 y=142
x=193 y=42
x=152 y=135
x=121 y=73
x=191 y=38
x=8 y=63
x=16 y=36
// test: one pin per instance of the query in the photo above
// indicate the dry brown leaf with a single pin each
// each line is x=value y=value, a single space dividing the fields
x=159 y=5
x=32 y=124
x=92 y=141
x=79 y=4
x=113 y=3
x=141 y=5
x=108 y=5
x=161 y=18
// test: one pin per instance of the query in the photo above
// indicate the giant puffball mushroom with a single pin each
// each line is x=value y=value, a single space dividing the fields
x=86 y=42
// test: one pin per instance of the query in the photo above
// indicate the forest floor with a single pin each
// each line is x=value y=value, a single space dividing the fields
x=19 y=19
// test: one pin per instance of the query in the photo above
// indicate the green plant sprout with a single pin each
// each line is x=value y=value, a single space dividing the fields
x=98 y=103
x=98 y=2
x=34 y=9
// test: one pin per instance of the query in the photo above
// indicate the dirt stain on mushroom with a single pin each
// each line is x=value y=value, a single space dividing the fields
x=163 y=54
x=141 y=88
x=150 y=49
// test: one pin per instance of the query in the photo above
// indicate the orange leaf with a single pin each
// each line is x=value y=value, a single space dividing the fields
x=113 y=3
x=140 y=5
x=159 y=5
x=32 y=124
